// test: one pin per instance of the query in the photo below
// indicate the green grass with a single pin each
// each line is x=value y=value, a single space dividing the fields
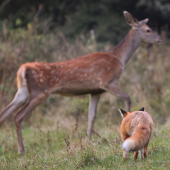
x=60 y=148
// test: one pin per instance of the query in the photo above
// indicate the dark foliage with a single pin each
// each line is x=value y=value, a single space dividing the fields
x=79 y=16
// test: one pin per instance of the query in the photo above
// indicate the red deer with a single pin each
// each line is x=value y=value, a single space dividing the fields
x=91 y=74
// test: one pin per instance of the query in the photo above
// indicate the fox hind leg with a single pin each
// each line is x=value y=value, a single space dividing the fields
x=124 y=154
x=142 y=153
x=135 y=155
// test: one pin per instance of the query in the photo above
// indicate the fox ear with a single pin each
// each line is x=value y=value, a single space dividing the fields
x=122 y=112
x=142 y=109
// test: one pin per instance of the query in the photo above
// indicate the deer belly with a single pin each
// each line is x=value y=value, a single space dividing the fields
x=77 y=89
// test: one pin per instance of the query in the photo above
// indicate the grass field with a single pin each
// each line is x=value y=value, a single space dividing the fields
x=59 y=147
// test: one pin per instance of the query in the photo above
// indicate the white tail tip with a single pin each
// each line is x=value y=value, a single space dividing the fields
x=128 y=145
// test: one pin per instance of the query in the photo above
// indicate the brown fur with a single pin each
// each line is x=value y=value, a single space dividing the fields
x=87 y=74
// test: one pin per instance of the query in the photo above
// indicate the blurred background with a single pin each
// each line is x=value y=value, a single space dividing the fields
x=52 y=31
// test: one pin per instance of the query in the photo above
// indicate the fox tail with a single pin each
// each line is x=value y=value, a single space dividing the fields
x=140 y=137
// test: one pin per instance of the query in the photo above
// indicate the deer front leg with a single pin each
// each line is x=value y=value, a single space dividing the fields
x=92 y=112
x=115 y=90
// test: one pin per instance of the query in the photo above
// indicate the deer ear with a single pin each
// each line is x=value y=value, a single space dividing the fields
x=142 y=109
x=122 y=112
x=131 y=20
x=143 y=21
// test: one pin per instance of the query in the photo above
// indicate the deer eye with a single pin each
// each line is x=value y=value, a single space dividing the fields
x=148 y=31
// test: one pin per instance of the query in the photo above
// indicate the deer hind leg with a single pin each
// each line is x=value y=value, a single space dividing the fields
x=19 y=117
x=135 y=155
x=115 y=90
x=20 y=100
x=94 y=99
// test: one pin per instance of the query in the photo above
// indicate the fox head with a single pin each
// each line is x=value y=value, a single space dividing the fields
x=124 y=113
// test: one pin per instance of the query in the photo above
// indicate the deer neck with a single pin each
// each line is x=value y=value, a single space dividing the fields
x=127 y=46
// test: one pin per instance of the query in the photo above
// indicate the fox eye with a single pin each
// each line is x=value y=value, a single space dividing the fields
x=148 y=31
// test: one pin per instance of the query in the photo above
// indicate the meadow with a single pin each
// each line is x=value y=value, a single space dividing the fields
x=55 y=133
x=57 y=147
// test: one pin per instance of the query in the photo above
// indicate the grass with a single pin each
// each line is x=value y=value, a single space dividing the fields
x=62 y=148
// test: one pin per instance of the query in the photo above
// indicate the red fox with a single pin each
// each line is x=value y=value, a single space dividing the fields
x=135 y=130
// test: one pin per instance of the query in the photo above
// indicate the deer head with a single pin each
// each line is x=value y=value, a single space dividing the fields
x=145 y=33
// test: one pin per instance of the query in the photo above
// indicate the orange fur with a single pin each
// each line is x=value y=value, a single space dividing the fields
x=135 y=130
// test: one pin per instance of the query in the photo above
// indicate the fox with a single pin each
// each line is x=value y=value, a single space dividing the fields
x=135 y=130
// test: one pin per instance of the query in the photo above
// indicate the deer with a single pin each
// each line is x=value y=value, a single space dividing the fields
x=92 y=74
